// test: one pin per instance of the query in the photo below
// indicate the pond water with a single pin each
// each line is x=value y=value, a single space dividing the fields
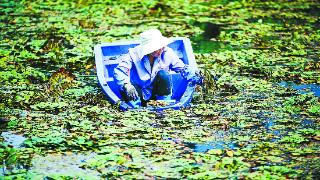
x=69 y=163
x=206 y=42
x=303 y=88
x=66 y=164
x=204 y=147
x=267 y=124
x=202 y=45
x=15 y=140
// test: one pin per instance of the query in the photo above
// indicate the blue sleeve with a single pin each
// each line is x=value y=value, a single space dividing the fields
x=122 y=71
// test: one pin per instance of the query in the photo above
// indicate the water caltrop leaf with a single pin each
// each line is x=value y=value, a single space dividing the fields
x=229 y=153
x=215 y=151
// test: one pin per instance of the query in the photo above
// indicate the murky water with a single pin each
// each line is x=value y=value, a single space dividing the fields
x=64 y=164
x=267 y=124
x=198 y=147
x=15 y=140
x=69 y=164
x=307 y=123
x=206 y=42
x=303 y=88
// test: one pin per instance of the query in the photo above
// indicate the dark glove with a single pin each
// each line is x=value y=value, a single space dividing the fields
x=192 y=75
x=197 y=78
x=130 y=92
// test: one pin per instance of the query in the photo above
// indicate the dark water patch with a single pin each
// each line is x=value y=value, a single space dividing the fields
x=208 y=42
x=210 y=30
x=317 y=25
x=3 y=121
x=160 y=6
x=14 y=140
x=307 y=123
x=279 y=133
x=201 y=45
x=221 y=141
x=268 y=124
x=266 y=120
x=159 y=114
x=302 y=88
x=312 y=10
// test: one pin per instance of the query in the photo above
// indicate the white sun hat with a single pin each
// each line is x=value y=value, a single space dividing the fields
x=152 y=40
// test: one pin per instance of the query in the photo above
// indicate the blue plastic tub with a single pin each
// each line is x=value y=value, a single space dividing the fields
x=106 y=55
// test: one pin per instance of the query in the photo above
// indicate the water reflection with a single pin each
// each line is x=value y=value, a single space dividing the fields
x=303 y=88
x=198 y=147
x=15 y=140
x=307 y=123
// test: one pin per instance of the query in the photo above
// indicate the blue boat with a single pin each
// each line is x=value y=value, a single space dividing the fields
x=106 y=55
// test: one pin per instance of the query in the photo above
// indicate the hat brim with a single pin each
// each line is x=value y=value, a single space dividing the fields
x=155 y=45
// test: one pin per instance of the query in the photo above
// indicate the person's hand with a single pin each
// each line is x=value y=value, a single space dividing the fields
x=131 y=92
x=192 y=75
x=197 y=78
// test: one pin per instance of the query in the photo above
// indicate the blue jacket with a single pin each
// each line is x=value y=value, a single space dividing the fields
x=134 y=67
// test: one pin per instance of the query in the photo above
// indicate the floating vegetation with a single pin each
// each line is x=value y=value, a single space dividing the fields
x=256 y=116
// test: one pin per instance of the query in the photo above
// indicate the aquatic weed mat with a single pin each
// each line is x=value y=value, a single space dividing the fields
x=242 y=124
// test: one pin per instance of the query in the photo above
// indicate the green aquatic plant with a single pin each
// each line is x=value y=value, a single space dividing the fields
x=240 y=125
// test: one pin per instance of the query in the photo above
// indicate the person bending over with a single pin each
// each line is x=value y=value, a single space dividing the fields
x=143 y=73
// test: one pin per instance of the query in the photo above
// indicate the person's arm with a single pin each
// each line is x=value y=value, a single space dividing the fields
x=122 y=71
x=177 y=65
x=122 y=78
